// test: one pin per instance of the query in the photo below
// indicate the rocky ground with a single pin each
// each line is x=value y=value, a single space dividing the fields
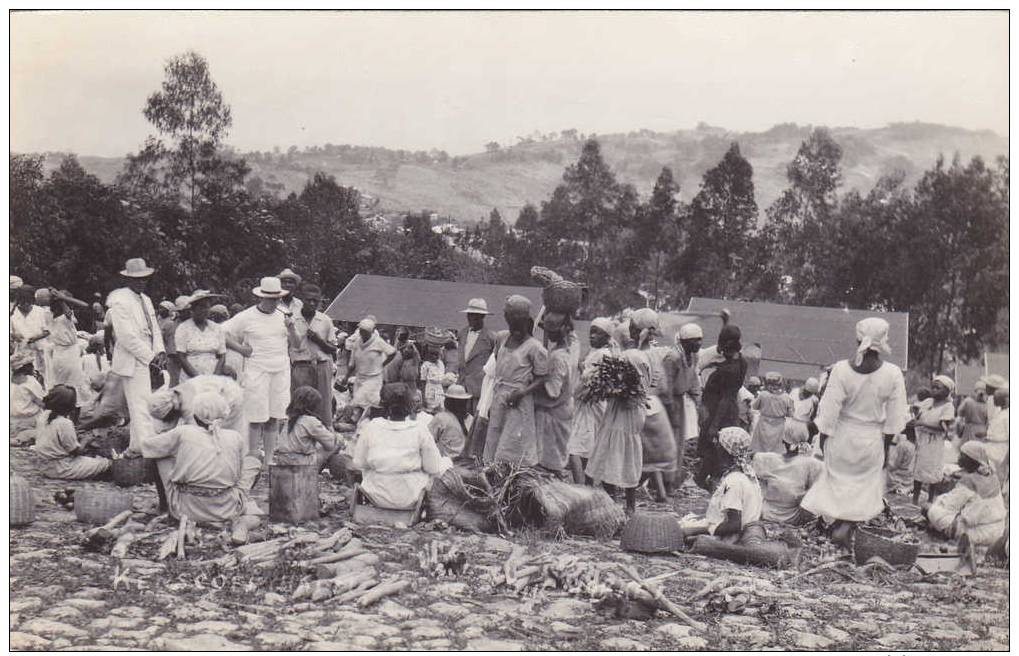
x=66 y=598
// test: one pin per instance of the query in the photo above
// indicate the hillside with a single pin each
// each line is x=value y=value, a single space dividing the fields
x=468 y=187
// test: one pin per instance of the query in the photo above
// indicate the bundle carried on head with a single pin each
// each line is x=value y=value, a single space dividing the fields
x=614 y=378
x=558 y=294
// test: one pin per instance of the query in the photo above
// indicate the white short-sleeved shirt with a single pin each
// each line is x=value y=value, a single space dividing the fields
x=266 y=334
x=23 y=396
x=735 y=492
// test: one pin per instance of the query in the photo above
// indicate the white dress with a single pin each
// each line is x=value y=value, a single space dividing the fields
x=856 y=411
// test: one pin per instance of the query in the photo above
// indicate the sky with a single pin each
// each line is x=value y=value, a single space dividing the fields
x=457 y=80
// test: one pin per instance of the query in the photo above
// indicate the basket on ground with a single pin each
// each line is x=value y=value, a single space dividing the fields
x=94 y=505
x=650 y=533
x=597 y=516
x=128 y=472
x=22 y=501
x=870 y=541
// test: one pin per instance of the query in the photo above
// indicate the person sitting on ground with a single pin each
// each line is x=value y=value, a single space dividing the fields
x=205 y=470
x=170 y=407
x=397 y=455
x=26 y=399
x=900 y=462
x=452 y=424
x=973 y=511
x=786 y=478
x=737 y=501
x=57 y=442
x=306 y=440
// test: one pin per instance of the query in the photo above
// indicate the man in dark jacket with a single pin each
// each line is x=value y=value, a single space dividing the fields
x=475 y=344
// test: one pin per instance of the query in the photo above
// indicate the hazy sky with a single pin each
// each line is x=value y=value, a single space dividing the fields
x=457 y=80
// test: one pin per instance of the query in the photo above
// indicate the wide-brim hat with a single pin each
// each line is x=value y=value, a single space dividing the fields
x=201 y=294
x=476 y=306
x=181 y=303
x=995 y=381
x=457 y=392
x=136 y=268
x=269 y=287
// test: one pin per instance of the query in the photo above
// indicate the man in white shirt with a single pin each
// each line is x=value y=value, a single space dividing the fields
x=139 y=343
x=311 y=359
x=269 y=332
x=29 y=327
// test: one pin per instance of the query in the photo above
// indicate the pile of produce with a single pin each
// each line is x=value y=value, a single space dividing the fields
x=613 y=378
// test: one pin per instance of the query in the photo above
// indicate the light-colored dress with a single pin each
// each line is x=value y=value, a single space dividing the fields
x=207 y=476
x=658 y=442
x=512 y=435
x=973 y=507
x=770 y=428
x=202 y=348
x=448 y=433
x=368 y=362
x=553 y=411
x=617 y=457
x=784 y=481
x=803 y=412
x=65 y=358
x=930 y=444
x=55 y=441
x=398 y=460
x=856 y=411
x=431 y=375
x=309 y=442
x=587 y=415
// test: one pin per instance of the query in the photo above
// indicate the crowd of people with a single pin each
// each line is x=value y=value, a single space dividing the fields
x=213 y=395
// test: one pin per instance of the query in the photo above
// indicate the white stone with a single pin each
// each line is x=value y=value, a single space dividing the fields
x=86 y=604
x=472 y=632
x=273 y=599
x=838 y=635
x=278 y=641
x=562 y=627
x=202 y=642
x=898 y=640
x=53 y=629
x=566 y=609
x=424 y=632
x=63 y=612
x=211 y=626
x=673 y=630
x=488 y=644
x=130 y=611
x=951 y=634
x=107 y=623
x=435 y=644
x=27 y=642
x=395 y=611
x=452 y=611
x=812 y=641
x=364 y=641
x=692 y=643
x=622 y=644
x=25 y=603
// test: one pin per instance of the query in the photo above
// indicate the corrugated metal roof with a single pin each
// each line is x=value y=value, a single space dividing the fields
x=796 y=340
x=418 y=302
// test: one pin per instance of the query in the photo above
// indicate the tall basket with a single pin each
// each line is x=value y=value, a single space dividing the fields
x=22 y=501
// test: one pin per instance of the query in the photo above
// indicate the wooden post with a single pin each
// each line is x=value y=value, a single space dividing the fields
x=293 y=493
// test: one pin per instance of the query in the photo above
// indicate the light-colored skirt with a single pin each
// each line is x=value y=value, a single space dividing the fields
x=553 y=428
x=767 y=436
x=512 y=435
x=617 y=455
x=851 y=486
x=930 y=457
x=75 y=467
x=657 y=440
x=585 y=425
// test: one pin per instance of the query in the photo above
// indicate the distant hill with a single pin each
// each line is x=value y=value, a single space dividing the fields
x=468 y=187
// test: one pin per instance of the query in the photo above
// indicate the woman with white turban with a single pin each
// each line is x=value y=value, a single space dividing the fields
x=936 y=416
x=683 y=394
x=204 y=467
x=589 y=415
x=658 y=442
x=864 y=405
x=369 y=354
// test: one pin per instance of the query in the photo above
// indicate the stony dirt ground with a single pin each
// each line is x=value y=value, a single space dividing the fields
x=64 y=598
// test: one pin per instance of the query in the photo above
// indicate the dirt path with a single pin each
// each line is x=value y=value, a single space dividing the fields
x=63 y=597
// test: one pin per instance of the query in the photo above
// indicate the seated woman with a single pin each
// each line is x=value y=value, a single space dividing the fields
x=204 y=468
x=57 y=442
x=900 y=462
x=396 y=454
x=26 y=399
x=169 y=407
x=736 y=503
x=306 y=440
x=452 y=424
x=786 y=478
x=973 y=511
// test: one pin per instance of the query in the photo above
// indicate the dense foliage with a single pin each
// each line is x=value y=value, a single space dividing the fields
x=190 y=207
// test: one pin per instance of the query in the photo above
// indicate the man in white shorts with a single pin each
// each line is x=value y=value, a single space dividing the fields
x=269 y=333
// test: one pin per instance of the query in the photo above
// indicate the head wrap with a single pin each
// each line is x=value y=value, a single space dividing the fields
x=995 y=381
x=793 y=435
x=946 y=381
x=646 y=321
x=978 y=451
x=20 y=358
x=622 y=334
x=872 y=334
x=753 y=381
x=42 y=294
x=736 y=443
x=210 y=408
x=517 y=303
x=604 y=324
x=161 y=403
x=691 y=331
x=368 y=323
x=16 y=282
x=773 y=378
x=812 y=385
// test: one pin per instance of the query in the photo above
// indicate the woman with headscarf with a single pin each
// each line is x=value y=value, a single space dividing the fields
x=936 y=415
x=974 y=510
x=521 y=365
x=786 y=477
x=736 y=502
x=57 y=442
x=553 y=400
x=658 y=442
x=724 y=379
x=863 y=406
x=204 y=468
x=589 y=414
x=804 y=411
x=199 y=345
x=971 y=416
x=682 y=395
x=369 y=354
x=775 y=407
x=433 y=369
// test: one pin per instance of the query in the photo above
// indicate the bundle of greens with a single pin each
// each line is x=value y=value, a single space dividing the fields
x=614 y=378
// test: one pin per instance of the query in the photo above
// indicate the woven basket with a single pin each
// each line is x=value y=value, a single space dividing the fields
x=128 y=472
x=597 y=516
x=562 y=297
x=22 y=501
x=871 y=541
x=93 y=505
x=652 y=533
x=443 y=503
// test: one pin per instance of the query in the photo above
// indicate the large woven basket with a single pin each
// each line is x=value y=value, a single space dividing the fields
x=94 y=505
x=563 y=297
x=652 y=533
x=22 y=501
x=869 y=541
x=597 y=516
x=128 y=472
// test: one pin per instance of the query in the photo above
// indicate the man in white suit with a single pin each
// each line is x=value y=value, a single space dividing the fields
x=138 y=344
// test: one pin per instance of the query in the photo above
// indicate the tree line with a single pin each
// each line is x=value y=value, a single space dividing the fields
x=938 y=249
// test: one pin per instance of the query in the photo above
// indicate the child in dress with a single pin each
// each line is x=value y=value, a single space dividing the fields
x=774 y=406
x=433 y=372
x=57 y=442
x=935 y=416
x=26 y=399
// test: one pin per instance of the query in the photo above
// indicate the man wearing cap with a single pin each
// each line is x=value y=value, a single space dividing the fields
x=475 y=344
x=684 y=395
x=369 y=354
x=268 y=332
x=291 y=283
x=311 y=359
x=139 y=344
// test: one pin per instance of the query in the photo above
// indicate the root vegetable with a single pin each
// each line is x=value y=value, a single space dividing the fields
x=303 y=538
x=303 y=591
x=344 y=584
x=662 y=599
x=124 y=541
x=167 y=547
x=352 y=548
x=333 y=541
x=181 y=535
x=114 y=522
x=356 y=592
x=332 y=570
x=381 y=591
x=321 y=590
